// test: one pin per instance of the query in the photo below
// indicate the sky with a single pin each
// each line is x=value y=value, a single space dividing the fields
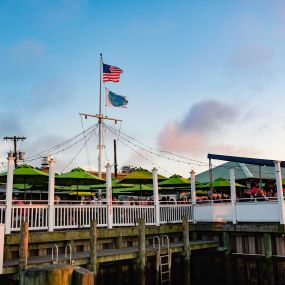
x=200 y=76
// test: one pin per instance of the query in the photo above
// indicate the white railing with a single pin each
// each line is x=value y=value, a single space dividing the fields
x=212 y=211
x=128 y=215
x=257 y=211
x=76 y=216
x=173 y=213
x=36 y=215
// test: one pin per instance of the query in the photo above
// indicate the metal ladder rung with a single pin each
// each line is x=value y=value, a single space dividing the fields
x=164 y=260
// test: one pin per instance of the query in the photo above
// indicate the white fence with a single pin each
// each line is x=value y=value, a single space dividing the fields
x=262 y=211
x=128 y=215
x=173 y=213
x=36 y=215
x=214 y=211
x=77 y=215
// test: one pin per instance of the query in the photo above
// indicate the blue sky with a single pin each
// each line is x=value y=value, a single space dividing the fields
x=200 y=76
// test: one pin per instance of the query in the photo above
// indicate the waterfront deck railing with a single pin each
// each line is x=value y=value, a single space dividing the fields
x=36 y=215
x=75 y=214
x=173 y=213
x=128 y=215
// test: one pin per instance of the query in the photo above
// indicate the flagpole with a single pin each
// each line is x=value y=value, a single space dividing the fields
x=101 y=116
x=100 y=146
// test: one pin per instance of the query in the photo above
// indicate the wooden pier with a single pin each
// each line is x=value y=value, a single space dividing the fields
x=112 y=245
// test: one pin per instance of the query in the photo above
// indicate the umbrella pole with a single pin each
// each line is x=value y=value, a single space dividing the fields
x=77 y=191
x=25 y=193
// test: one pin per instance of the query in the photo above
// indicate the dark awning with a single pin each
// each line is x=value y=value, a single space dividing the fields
x=248 y=160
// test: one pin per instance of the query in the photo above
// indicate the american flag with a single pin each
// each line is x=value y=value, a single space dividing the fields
x=111 y=73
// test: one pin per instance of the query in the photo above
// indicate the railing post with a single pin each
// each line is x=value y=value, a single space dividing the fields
x=2 y=241
x=186 y=251
x=23 y=250
x=141 y=253
x=93 y=247
x=280 y=196
x=268 y=262
x=233 y=194
x=51 y=209
x=9 y=192
x=109 y=195
x=193 y=193
x=156 y=196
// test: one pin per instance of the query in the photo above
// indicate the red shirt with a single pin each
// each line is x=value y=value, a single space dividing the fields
x=254 y=190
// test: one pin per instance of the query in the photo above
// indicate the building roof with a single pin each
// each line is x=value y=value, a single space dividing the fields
x=242 y=171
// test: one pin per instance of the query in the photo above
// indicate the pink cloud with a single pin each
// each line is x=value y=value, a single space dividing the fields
x=172 y=137
x=205 y=123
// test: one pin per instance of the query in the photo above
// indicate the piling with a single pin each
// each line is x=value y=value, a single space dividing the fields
x=82 y=276
x=23 y=249
x=118 y=265
x=227 y=257
x=141 y=255
x=268 y=265
x=119 y=240
x=93 y=247
x=48 y=275
x=187 y=253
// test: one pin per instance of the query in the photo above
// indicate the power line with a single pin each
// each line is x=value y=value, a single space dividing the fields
x=58 y=148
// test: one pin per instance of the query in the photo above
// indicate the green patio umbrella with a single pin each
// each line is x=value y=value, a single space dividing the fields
x=221 y=183
x=175 y=181
x=115 y=184
x=140 y=176
x=76 y=178
x=135 y=188
x=27 y=175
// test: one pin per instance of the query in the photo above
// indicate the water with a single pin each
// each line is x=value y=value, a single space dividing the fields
x=207 y=268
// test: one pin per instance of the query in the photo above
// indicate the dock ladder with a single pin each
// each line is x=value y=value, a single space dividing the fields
x=163 y=261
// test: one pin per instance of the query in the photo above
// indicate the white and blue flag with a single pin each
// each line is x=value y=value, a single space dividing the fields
x=115 y=100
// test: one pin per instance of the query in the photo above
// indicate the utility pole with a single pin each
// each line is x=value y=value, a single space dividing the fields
x=115 y=159
x=15 y=139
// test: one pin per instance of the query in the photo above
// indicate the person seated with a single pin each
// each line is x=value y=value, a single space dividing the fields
x=254 y=190
x=260 y=194
x=56 y=199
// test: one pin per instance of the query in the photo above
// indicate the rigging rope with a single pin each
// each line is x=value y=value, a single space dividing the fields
x=71 y=161
x=57 y=149
x=87 y=152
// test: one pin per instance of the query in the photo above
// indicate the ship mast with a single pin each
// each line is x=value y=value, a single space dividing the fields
x=100 y=118
x=100 y=145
